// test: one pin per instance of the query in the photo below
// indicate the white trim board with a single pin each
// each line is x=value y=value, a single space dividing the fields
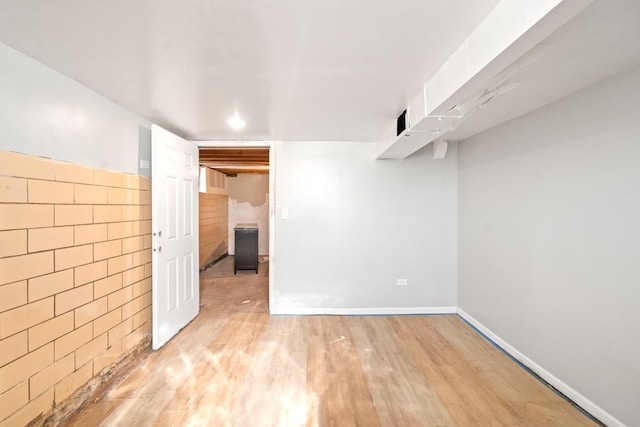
x=310 y=311
x=580 y=400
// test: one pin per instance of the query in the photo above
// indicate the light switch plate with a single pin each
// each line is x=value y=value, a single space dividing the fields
x=285 y=213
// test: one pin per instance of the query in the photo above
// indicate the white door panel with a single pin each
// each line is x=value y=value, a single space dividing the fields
x=176 y=291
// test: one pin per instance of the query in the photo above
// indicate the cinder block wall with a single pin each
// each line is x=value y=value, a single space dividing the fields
x=75 y=278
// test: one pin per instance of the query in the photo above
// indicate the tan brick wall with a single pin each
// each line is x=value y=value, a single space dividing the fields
x=214 y=219
x=75 y=278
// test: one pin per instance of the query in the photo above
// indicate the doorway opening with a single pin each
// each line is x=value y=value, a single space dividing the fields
x=235 y=193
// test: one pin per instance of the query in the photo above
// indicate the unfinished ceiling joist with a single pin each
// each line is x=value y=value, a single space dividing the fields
x=478 y=71
x=234 y=160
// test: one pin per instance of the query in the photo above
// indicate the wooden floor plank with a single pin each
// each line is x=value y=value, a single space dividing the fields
x=278 y=371
x=235 y=365
x=400 y=394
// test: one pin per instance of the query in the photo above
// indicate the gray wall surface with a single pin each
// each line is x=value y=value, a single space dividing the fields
x=549 y=239
x=357 y=224
x=47 y=114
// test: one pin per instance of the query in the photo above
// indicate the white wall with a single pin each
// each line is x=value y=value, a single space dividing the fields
x=549 y=239
x=357 y=224
x=45 y=113
x=249 y=203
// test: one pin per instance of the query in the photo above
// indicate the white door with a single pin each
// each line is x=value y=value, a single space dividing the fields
x=174 y=185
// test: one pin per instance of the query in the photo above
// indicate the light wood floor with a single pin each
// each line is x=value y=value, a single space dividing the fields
x=234 y=365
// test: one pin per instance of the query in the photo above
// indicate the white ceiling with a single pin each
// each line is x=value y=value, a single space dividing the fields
x=298 y=69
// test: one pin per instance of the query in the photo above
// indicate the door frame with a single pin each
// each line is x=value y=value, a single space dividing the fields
x=272 y=201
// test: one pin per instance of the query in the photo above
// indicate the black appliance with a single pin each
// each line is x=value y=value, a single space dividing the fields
x=246 y=240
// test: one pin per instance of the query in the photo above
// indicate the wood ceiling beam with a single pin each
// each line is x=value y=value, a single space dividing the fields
x=232 y=171
x=239 y=161
x=234 y=160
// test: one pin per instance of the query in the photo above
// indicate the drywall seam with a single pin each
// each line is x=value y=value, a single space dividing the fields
x=586 y=404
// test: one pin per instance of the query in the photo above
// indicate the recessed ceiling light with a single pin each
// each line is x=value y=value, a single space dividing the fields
x=236 y=122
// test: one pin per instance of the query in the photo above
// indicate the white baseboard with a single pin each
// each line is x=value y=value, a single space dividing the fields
x=562 y=387
x=310 y=311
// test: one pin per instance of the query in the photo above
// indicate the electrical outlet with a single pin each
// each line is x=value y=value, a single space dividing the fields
x=402 y=282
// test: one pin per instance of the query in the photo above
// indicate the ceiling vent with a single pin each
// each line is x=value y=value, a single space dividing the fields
x=401 y=123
